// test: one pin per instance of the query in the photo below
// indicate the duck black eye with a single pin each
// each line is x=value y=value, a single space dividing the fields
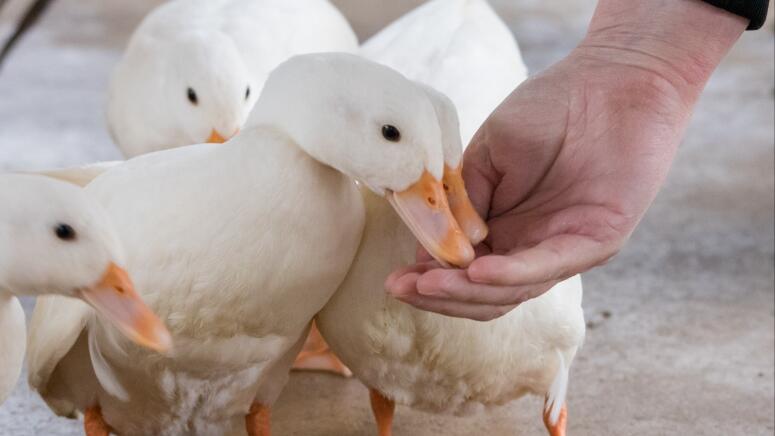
x=391 y=133
x=192 y=96
x=65 y=232
x=247 y=93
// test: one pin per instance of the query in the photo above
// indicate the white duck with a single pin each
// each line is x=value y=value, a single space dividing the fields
x=246 y=242
x=194 y=68
x=461 y=48
x=437 y=363
x=56 y=240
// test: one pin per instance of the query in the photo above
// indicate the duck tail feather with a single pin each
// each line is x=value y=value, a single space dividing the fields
x=555 y=398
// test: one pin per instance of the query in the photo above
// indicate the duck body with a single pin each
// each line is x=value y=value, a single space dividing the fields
x=437 y=363
x=220 y=50
x=237 y=302
x=459 y=47
x=13 y=341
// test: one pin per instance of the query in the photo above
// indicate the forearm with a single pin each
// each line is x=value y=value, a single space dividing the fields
x=682 y=41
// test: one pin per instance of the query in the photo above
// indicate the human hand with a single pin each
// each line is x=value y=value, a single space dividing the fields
x=567 y=165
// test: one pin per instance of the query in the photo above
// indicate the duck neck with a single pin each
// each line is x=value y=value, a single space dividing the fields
x=306 y=126
x=322 y=151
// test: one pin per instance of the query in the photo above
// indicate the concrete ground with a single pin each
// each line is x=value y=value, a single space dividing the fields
x=681 y=324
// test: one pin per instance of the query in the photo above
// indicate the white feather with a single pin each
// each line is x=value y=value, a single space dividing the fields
x=81 y=175
x=555 y=399
x=103 y=371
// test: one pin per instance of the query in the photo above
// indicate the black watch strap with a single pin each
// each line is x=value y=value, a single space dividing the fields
x=754 y=10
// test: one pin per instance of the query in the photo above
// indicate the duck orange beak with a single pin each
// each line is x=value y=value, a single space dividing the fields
x=472 y=224
x=216 y=138
x=115 y=298
x=425 y=210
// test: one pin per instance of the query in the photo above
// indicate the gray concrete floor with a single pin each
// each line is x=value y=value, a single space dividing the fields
x=681 y=323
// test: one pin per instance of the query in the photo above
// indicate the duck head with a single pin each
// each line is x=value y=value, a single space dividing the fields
x=374 y=125
x=191 y=89
x=54 y=239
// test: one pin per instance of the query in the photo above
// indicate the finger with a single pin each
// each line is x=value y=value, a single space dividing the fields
x=478 y=312
x=556 y=258
x=404 y=285
x=455 y=285
x=418 y=268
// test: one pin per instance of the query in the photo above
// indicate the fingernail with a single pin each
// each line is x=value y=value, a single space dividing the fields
x=389 y=281
x=429 y=290
x=475 y=273
x=392 y=292
x=396 y=291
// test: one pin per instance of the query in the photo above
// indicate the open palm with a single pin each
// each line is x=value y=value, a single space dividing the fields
x=562 y=171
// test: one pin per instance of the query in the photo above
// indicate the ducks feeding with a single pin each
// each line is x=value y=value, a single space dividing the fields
x=463 y=49
x=284 y=220
x=437 y=363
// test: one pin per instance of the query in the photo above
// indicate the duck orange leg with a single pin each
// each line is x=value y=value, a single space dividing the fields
x=558 y=428
x=383 y=409
x=258 y=420
x=93 y=422
x=317 y=356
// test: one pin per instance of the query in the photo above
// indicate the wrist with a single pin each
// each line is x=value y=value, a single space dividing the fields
x=678 y=41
